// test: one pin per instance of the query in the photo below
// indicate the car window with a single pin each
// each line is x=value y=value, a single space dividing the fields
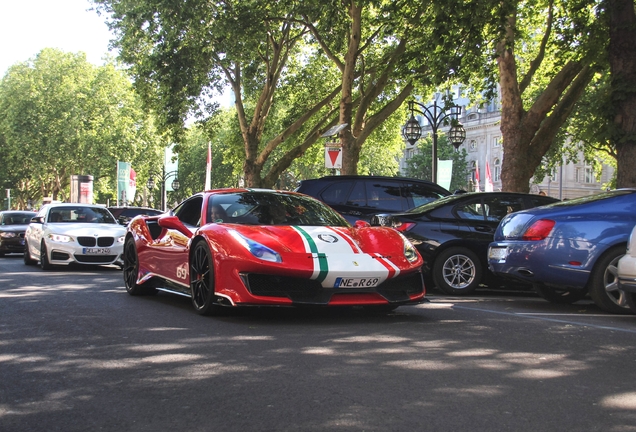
x=17 y=218
x=420 y=194
x=336 y=193
x=358 y=196
x=189 y=212
x=384 y=195
x=471 y=211
x=496 y=207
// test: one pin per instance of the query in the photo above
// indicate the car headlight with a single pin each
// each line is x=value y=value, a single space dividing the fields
x=410 y=253
x=121 y=239
x=61 y=238
x=8 y=235
x=258 y=250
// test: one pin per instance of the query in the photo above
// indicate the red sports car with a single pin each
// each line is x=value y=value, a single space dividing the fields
x=250 y=247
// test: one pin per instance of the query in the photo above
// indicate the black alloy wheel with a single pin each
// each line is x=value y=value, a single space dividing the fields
x=27 y=256
x=202 y=280
x=44 y=258
x=559 y=295
x=131 y=270
x=457 y=271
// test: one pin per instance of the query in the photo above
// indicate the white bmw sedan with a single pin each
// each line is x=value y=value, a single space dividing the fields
x=61 y=234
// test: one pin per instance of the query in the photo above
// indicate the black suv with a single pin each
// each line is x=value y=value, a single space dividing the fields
x=360 y=197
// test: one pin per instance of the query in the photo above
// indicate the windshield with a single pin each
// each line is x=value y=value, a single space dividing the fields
x=17 y=218
x=271 y=208
x=79 y=214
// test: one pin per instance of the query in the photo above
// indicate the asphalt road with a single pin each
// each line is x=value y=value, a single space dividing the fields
x=79 y=354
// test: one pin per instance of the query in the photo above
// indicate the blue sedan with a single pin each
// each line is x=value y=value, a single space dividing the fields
x=568 y=249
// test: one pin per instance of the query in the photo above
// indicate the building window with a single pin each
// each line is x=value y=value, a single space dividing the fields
x=589 y=175
x=496 y=142
x=473 y=168
x=497 y=174
x=473 y=145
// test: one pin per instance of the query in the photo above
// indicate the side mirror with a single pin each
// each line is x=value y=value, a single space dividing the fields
x=37 y=219
x=173 y=222
x=362 y=224
x=383 y=219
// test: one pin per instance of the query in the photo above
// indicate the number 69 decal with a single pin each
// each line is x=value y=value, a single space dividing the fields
x=182 y=271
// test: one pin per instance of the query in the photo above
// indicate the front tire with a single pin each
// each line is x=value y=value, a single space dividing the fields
x=202 y=280
x=457 y=271
x=44 y=258
x=603 y=283
x=27 y=255
x=131 y=270
x=560 y=295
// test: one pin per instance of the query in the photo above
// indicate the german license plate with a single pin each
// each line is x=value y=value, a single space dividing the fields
x=96 y=251
x=498 y=253
x=356 y=282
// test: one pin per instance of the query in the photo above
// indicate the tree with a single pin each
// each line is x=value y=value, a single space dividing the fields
x=622 y=59
x=62 y=116
x=366 y=52
x=419 y=166
x=541 y=79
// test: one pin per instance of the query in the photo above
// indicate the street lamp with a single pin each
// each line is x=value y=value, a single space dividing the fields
x=436 y=117
x=163 y=178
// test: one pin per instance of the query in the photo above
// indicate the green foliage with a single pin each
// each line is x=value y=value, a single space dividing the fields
x=420 y=165
x=62 y=116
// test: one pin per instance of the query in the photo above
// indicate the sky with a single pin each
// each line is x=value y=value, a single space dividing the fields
x=28 y=26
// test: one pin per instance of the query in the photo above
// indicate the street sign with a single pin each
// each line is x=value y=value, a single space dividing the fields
x=333 y=155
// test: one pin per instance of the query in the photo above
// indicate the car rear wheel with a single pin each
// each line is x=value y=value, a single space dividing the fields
x=44 y=258
x=560 y=295
x=131 y=270
x=457 y=271
x=603 y=283
x=27 y=255
x=202 y=280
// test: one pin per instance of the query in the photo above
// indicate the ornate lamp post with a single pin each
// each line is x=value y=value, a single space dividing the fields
x=163 y=178
x=436 y=117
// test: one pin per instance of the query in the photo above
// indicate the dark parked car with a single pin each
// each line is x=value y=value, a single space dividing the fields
x=360 y=197
x=123 y=215
x=13 y=224
x=453 y=233
x=569 y=249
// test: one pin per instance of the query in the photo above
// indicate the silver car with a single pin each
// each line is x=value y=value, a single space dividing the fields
x=62 y=234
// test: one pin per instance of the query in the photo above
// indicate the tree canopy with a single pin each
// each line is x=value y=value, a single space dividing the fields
x=62 y=116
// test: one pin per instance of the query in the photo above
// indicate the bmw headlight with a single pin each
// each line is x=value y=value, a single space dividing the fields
x=258 y=250
x=121 y=239
x=410 y=253
x=61 y=238
x=8 y=235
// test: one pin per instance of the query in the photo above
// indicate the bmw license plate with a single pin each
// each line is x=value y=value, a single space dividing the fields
x=498 y=253
x=96 y=251
x=356 y=282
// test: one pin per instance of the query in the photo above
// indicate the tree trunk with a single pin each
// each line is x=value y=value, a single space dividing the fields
x=622 y=56
x=528 y=135
x=350 y=148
